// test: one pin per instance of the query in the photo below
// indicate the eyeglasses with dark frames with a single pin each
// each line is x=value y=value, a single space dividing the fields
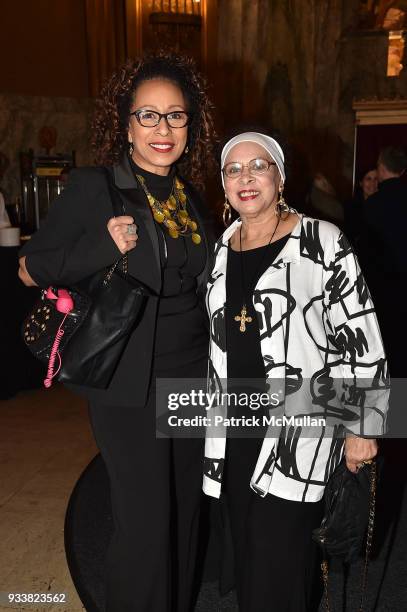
x=150 y=118
x=255 y=167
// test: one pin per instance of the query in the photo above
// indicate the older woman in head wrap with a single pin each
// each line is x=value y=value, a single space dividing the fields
x=288 y=305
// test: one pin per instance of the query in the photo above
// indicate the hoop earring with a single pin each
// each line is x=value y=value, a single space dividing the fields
x=282 y=206
x=227 y=212
x=131 y=148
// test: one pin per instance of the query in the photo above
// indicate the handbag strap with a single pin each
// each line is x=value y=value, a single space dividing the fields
x=118 y=209
x=370 y=528
x=325 y=578
x=369 y=539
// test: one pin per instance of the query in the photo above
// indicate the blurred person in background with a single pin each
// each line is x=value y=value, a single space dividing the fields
x=365 y=186
x=383 y=252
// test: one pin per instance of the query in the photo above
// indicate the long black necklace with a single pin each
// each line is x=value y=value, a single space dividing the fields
x=243 y=318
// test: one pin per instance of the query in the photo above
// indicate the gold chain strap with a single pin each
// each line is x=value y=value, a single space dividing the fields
x=124 y=261
x=124 y=264
x=370 y=527
x=369 y=539
x=325 y=576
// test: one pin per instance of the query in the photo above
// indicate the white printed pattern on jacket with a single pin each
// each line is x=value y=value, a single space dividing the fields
x=316 y=320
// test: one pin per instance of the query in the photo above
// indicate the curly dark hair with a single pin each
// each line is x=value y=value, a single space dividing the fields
x=111 y=120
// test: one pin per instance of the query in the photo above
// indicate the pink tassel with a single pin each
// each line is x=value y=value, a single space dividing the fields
x=54 y=353
x=64 y=303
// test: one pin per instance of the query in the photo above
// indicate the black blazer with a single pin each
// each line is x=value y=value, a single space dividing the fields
x=73 y=242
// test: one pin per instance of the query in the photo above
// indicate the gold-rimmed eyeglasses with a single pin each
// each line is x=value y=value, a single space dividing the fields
x=254 y=166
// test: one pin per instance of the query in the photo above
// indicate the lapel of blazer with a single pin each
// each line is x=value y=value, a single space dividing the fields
x=206 y=233
x=197 y=216
x=144 y=260
x=136 y=205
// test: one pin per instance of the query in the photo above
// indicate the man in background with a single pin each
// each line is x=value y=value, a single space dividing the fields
x=384 y=253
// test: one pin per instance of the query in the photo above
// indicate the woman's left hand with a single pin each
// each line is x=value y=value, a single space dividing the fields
x=358 y=450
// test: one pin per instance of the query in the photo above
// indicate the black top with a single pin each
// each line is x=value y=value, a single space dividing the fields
x=243 y=348
x=181 y=260
x=181 y=334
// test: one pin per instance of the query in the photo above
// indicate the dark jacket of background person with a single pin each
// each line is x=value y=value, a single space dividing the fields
x=73 y=243
x=383 y=256
x=365 y=186
x=353 y=219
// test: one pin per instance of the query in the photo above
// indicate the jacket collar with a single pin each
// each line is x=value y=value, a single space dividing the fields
x=124 y=176
x=125 y=180
x=136 y=204
x=290 y=253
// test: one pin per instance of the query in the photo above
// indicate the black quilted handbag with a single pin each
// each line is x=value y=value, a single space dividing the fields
x=81 y=332
x=348 y=521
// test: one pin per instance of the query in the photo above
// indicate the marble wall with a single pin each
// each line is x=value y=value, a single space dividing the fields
x=296 y=67
x=22 y=117
x=293 y=66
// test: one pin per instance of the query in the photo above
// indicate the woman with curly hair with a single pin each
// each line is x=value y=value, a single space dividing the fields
x=153 y=129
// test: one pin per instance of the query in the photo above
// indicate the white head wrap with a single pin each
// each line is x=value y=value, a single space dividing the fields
x=268 y=143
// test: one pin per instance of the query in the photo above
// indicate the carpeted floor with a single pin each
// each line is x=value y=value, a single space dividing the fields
x=89 y=525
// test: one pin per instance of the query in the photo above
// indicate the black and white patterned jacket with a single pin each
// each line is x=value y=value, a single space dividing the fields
x=317 y=323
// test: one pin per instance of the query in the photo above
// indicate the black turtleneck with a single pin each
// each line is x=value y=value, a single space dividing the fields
x=159 y=185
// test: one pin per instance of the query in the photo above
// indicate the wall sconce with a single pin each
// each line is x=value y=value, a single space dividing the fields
x=395 y=53
x=177 y=6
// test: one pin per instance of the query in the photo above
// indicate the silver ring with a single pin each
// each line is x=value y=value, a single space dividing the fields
x=132 y=228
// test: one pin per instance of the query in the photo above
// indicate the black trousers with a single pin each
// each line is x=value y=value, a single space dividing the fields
x=276 y=563
x=156 y=494
x=275 y=559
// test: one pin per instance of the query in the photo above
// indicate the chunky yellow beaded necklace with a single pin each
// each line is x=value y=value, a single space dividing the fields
x=173 y=212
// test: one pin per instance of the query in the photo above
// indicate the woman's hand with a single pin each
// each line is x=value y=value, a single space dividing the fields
x=23 y=274
x=118 y=229
x=358 y=450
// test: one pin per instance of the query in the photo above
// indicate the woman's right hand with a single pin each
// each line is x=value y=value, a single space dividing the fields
x=117 y=227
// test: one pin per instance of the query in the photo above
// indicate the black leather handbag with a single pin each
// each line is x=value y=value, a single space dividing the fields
x=81 y=332
x=348 y=522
